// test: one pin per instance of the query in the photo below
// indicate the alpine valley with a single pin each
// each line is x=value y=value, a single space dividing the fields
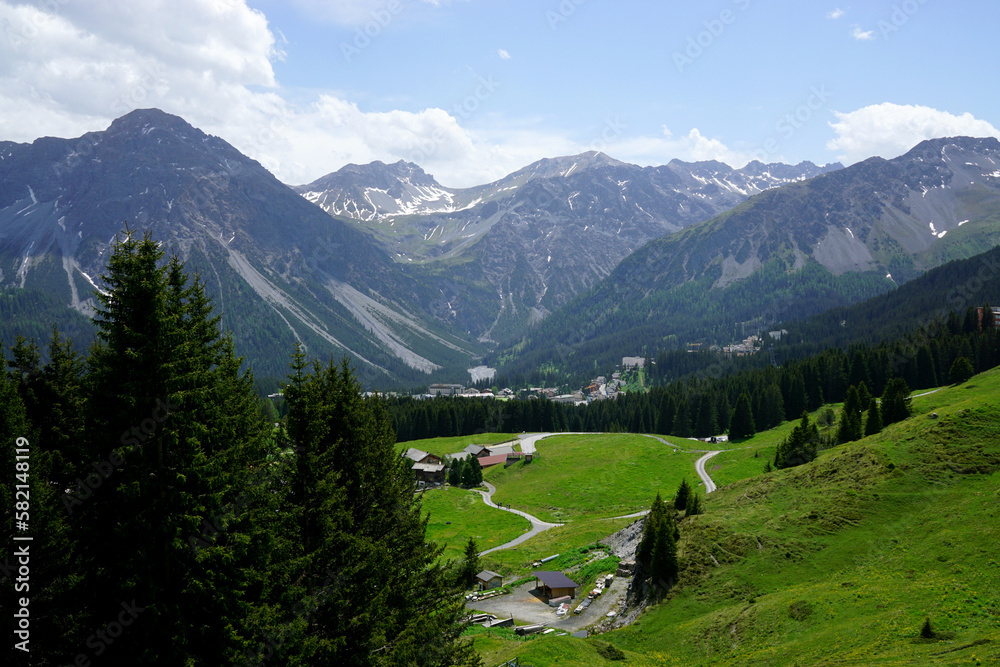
x=564 y=263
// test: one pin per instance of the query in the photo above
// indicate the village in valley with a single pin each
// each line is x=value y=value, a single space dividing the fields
x=578 y=587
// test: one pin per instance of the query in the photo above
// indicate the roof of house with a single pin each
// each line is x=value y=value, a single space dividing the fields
x=500 y=449
x=474 y=449
x=429 y=467
x=486 y=575
x=555 y=579
x=492 y=460
x=415 y=454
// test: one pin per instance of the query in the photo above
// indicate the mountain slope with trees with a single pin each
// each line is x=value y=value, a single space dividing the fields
x=516 y=249
x=163 y=495
x=783 y=255
x=279 y=269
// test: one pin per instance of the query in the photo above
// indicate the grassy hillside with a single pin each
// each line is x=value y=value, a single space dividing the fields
x=840 y=561
x=457 y=514
x=592 y=476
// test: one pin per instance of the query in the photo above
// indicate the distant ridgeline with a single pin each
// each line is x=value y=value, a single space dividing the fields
x=781 y=256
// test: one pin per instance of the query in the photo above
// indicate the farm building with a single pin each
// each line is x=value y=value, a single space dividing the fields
x=487 y=461
x=554 y=584
x=487 y=579
x=429 y=473
x=420 y=456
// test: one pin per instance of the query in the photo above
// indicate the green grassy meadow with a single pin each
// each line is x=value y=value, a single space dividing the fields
x=746 y=458
x=592 y=476
x=458 y=514
x=837 y=562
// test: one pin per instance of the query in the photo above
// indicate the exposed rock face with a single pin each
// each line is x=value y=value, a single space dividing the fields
x=279 y=269
x=541 y=235
x=625 y=542
x=795 y=250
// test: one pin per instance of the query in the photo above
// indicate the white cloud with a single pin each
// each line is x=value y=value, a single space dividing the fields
x=690 y=147
x=862 y=35
x=889 y=130
x=836 y=14
x=503 y=54
x=79 y=66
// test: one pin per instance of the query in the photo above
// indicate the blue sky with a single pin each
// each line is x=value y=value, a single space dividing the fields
x=473 y=89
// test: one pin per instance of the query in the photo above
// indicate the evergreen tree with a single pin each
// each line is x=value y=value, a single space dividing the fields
x=652 y=526
x=772 y=412
x=926 y=372
x=362 y=565
x=961 y=370
x=873 y=423
x=724 y=413
x=864 y=397
x=468 y=472
x=850 y=417
x=170 y=425
x=683 y=493
x=742 y=425
x=455 y=472
x=57 y=608
x=663 y=560
x=470 y=564
x=475 y=471
x=706 y=425
x=682 y=419
x=800 y=446
x=795 y=401
x=665 y=419
x=693 y=504
x=895 y=401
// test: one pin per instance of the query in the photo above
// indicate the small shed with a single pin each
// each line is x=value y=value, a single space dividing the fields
x=488 y=579
x=554 y=584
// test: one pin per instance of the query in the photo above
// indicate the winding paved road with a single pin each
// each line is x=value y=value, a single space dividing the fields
x=537 y=525
x=699 y=466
